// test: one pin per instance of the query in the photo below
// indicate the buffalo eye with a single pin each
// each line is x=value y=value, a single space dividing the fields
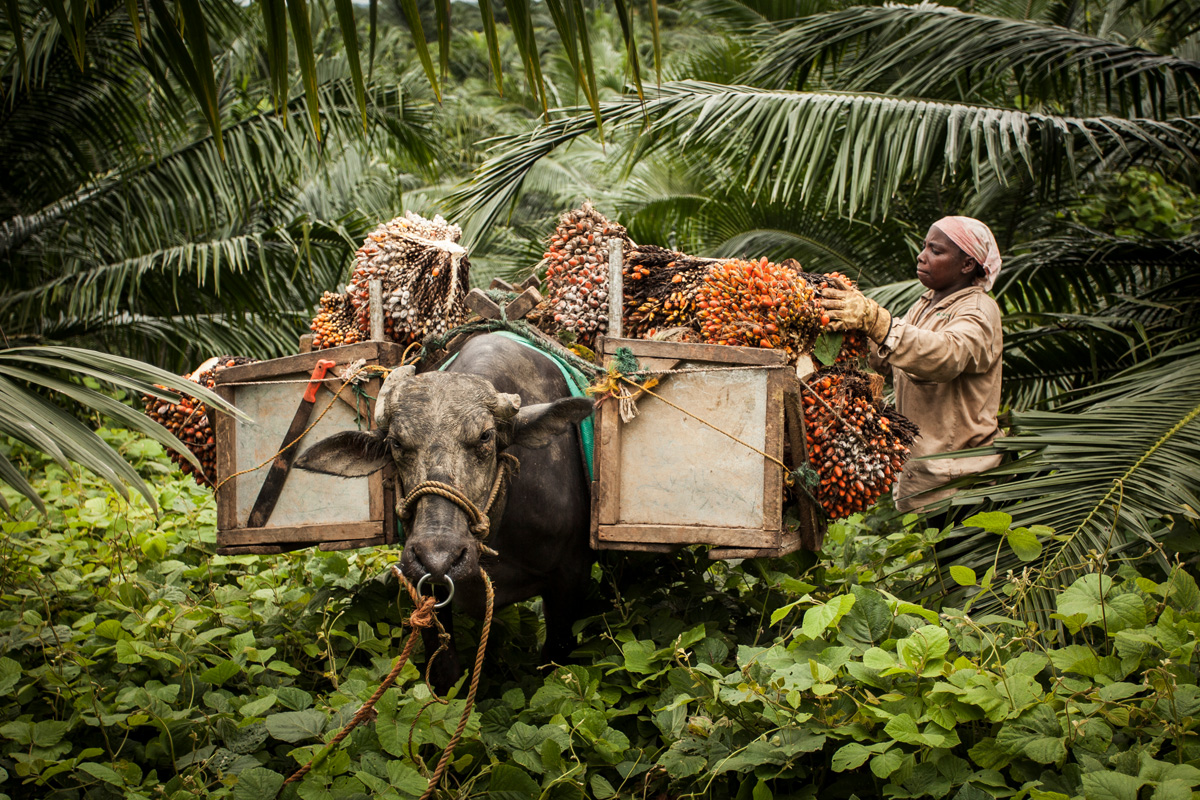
x=487 y=436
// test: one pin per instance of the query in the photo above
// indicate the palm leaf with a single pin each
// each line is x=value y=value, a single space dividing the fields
x=1102 y=471
x=860 y=149
x=908 y=54
x=31 y=418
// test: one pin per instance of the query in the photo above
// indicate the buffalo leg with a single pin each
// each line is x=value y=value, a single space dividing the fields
x=560 y=610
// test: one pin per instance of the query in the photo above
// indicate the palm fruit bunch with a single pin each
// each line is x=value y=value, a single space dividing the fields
x=189 y=420
x=856 y=444
x=660 y=289
x=757 y=304
x=336 y=323
x=425 y=275
x=576 y=286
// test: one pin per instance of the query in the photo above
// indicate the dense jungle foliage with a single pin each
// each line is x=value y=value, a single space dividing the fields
x=180 y=179
x=136 y=663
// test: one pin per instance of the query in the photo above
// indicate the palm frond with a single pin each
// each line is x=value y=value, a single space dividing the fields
x=939 y=51
x=853 y=151
x=32 y=418
x=1103 y=472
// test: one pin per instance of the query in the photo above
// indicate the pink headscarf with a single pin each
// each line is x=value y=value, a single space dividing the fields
x=976 y=240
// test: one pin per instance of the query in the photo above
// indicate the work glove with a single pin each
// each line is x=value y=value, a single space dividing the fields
x=850 y=310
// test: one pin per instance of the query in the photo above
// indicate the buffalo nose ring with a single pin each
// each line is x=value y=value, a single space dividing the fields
x=449 y=580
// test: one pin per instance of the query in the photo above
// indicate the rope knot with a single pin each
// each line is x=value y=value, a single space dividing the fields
x=422 y=615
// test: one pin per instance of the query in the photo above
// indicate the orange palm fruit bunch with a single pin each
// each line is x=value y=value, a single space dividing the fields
x=336 y=323
x=576 y=264
x=856 y=444
x=756 y=304
x=190 y=421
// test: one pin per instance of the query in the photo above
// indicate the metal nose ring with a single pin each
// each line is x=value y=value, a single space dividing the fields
x=449 y=580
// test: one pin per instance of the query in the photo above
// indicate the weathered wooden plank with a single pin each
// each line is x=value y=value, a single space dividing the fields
x=482 y=305
x=300 y=533
x=352 y=544
x=686 y=534
x=386 y=354
x=533 y=281
x=523 y=303
x=338 y=388
x=688 y=351
x=790 y=544
x=608 y=458
x=639 y=547
x=306 y=343
x=225 y=436
x=773 y=446
x=813 y=524
x=501 y=284
x=254 y=550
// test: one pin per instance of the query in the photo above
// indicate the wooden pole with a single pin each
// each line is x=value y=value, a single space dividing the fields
x=616 y=288
x=375 y=307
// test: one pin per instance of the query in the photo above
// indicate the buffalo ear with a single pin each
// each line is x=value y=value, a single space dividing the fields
x=350 y=454
x=536 y=426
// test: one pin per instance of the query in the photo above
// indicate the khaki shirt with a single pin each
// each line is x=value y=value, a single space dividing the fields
x=945 y=360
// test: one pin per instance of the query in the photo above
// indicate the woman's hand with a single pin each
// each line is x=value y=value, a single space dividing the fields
x=851 y=310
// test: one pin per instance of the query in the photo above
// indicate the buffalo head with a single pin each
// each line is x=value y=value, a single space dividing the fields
x=447 y=427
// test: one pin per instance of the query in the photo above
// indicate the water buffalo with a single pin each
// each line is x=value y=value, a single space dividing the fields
x=497 y=396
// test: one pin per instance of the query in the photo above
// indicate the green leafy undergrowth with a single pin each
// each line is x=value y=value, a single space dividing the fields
x=136 y=663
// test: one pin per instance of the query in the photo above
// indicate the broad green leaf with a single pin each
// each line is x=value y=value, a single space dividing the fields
x=600 y=786
x=963 y=576
x=404 y=776
x=827 y=346
x=996 y=522
x=296 y=726
x=102 y=772
x=850 y=756
x=1105 y=785
x=258 y=707
x=512 y=782
x=1024 y=543
x=257 y=783
x=220 y=672
x=10 y=673
x=820 y=618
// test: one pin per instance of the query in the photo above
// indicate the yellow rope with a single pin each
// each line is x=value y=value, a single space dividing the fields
x=768 y=456
x=371 y=368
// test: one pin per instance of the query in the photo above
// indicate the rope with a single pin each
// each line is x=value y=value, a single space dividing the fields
x=479 y=521
x=421 y=617
x=475 y=673
x=787 y=472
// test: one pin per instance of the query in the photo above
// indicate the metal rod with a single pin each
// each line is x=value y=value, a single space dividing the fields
x=375 y=306
x=616 y=288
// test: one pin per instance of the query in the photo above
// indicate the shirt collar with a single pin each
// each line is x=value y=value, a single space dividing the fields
x=950 y=299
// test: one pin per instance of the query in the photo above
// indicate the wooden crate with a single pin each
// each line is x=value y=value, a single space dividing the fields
x=313 y=509
x=664 y=479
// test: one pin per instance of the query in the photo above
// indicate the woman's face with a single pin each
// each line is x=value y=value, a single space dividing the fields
x=942 y=265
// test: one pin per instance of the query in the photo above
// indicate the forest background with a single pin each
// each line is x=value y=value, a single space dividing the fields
x=178 y=180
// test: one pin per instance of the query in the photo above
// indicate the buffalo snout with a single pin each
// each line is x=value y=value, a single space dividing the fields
x=439 y=557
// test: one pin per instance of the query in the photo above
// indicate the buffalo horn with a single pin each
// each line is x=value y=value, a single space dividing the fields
x=384 y=402
x=507 y=406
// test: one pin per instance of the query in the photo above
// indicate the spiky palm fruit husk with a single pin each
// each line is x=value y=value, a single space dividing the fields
x=660 y=290
x=425 y=275
x=336 y=323
x=576 y=287
x=859 y=451
x=189 y=420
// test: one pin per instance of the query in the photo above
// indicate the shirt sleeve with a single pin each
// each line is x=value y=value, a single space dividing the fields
x=967 y=344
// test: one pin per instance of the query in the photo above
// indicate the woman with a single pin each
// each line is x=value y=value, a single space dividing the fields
x=944 y=355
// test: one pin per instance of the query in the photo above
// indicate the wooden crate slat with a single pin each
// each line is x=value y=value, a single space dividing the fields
x=689 y=534
x=302 y=533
